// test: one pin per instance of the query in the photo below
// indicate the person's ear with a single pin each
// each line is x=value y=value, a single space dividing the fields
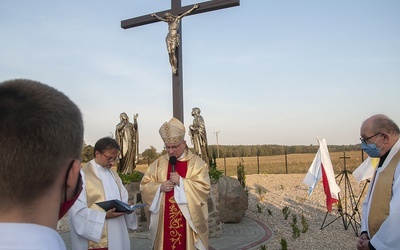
x=73 y=178
x=97 y=154
x=385 y=137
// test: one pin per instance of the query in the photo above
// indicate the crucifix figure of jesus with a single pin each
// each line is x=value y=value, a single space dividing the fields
x=174 y=39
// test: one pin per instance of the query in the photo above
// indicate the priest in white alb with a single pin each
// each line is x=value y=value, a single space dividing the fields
x=90 y=226
x=380 y=138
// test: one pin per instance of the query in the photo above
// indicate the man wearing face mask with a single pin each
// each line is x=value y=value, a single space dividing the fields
x=177 y=186
x=41 y=136
x=90 y=226
x=381 y=207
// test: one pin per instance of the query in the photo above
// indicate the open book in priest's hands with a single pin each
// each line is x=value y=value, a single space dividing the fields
x=119 y=206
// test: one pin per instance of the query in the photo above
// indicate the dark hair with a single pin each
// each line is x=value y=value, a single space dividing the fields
x=105 y=143
x=41 y=133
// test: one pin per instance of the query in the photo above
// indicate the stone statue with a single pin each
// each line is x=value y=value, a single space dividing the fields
x=198 y=135
x=127 y=137
x=172 y=38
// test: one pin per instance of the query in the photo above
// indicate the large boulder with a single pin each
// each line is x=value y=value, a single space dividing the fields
x=233 y=200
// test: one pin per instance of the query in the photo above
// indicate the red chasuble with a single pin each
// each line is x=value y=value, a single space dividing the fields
x=174 y=221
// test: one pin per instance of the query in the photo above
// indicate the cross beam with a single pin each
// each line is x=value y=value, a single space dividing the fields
x=178 y=9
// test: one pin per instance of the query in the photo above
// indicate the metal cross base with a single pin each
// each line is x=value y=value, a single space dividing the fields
x=349 y=213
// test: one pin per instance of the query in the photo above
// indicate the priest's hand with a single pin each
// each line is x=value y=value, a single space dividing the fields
x=167 y=186
x=112 y=214
x=175 y=178
x=362 y=242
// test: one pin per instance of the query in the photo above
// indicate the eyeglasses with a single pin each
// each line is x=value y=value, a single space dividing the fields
x=110 y=158
x=366 y=139
x=172 y=147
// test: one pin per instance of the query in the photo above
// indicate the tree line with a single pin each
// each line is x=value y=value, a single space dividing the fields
x=272 y=149
x=222 y=151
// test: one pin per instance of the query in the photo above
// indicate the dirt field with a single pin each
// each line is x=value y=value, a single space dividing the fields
x=281 y=164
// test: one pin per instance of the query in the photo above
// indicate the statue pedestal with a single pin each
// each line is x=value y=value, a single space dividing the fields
x=135 y=197
x=214 y=221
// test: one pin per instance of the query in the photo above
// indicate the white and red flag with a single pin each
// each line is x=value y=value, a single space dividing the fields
x=322 y=167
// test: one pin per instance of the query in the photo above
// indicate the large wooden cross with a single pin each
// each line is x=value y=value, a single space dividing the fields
x=177 y=9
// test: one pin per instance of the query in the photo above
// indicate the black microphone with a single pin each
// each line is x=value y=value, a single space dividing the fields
x=172 y=161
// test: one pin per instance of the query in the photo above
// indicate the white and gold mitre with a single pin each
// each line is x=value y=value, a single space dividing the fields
x=172 y=131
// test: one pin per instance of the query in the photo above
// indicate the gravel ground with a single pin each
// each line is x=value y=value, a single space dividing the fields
x=273 y=192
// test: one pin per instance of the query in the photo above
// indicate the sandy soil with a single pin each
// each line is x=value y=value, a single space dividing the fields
x=274 y=192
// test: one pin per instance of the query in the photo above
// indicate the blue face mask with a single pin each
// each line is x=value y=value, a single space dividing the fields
x=371 y=149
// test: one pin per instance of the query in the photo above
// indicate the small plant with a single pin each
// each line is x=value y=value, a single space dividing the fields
x=135 y=176
x=285 y=212
x=304 y=223
x=295 y=228
x=269 y=211
x=241 y=174
x=213 y=162
x=261 y=193
x=294 y=219
x=263 y=247
x=259 y=208
x=215 y=174
x=295 y=231
x=283 y=244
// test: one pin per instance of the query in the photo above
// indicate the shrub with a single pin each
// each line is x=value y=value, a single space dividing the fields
x=213 y=162
x=215 y=174
x=304 y=223
x=241 y=175
x=283 y=244
x=285 y=212
x=259 y=208
x=261 y=192
x=294 y=219
x=295 y=228
x=295 y=231
x=135 y=176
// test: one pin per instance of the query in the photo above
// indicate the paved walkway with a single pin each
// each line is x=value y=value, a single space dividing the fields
x=248 y=234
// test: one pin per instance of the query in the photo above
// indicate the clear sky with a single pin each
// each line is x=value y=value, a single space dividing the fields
x=265 y=72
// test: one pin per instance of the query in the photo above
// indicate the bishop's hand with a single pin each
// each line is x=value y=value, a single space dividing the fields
x=175 y=178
